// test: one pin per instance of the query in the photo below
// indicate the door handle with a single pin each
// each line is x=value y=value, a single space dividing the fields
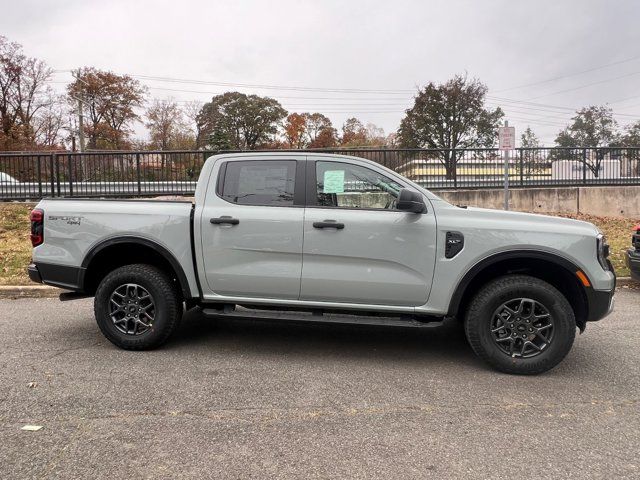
x=225 y=220
x=328 y=224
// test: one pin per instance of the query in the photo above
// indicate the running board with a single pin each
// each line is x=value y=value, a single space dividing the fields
x=318 y=317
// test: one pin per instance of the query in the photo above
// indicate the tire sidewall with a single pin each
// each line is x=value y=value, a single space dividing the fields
x=563 y=322
x=163 y=308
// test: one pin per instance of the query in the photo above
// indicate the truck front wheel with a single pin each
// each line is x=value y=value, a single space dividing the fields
x=137 y=307
x=520 y=324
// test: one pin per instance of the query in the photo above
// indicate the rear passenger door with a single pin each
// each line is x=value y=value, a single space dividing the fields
x=252 y=225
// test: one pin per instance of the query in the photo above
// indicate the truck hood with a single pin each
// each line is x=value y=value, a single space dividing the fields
x=500 y=219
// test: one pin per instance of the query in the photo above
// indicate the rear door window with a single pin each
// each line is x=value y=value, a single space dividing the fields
x=263 y=182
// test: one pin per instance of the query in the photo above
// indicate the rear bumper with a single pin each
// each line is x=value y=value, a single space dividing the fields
x=34 y=273
x=632 y=259
x=63 y=276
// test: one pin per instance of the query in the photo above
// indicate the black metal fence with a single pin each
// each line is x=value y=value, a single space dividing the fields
x=154 y=173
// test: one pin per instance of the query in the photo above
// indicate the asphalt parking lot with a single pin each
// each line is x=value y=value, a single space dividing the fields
x=246 y=399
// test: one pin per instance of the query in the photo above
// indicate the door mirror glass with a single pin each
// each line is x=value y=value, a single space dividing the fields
x=410 y=201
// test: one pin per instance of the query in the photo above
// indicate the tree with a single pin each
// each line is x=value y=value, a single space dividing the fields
x=23 y=93
x=167 y=126
x=326 y=138
x=354 y=134
x=316 y=125
x=592 y=127
x=247 y=121
x=191 y=111
x=111 y=101
x=295 y=129
x=529 y=139
x=219 y=140
x=309 y=130
x=531 y=162
x=375 y=135
x=49 y=123
x=450 y=116
x=631 y=137
x=631 y=156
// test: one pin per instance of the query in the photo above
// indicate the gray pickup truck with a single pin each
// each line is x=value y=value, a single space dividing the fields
x=325 y=234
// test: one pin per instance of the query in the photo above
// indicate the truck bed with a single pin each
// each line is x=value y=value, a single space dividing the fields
x=75 y=228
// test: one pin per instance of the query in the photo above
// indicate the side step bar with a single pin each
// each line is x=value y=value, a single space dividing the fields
x=68 y=296
x=228 y=312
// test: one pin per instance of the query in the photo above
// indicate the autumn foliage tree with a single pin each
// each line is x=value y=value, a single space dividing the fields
x=110 y=102
x=309 y=130
x=295 y=131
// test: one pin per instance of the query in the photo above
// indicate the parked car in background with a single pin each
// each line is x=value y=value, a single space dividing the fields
x=632 y=256
x=327 y=233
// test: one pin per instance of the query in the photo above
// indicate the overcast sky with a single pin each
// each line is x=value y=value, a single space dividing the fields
x=376 y=52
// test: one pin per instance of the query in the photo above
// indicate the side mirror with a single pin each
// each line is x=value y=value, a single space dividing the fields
x=410 y=201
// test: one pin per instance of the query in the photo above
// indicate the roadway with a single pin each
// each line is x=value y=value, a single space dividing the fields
x=250 y=399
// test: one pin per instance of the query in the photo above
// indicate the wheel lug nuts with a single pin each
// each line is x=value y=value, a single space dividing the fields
x=524 y=336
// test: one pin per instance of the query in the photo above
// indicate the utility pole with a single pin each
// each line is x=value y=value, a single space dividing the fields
x=80 y=125
x=506 y=174
x=80 y=113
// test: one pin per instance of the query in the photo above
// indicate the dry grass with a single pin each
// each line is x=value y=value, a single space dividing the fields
x=15 y=248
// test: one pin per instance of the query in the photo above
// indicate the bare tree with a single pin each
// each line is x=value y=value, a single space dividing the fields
x=50 y=121
x=164 y=119
x=23 y=92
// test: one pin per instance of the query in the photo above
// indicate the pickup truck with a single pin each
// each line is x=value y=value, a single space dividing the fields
x=327 y=233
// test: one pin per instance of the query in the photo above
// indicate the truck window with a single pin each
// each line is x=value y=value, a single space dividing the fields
x=352 y=186
x=264 y=182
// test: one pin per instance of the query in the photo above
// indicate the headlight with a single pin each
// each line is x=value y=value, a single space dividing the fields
x=603 y=251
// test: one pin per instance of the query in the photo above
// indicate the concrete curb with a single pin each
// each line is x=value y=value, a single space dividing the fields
x=45 y=291
x=29 y=291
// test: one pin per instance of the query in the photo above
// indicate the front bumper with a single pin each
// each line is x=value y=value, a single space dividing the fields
x=632 y=259
x=600 y=304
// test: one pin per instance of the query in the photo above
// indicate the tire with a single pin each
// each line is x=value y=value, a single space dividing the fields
x=504 y=312
x=118 y=323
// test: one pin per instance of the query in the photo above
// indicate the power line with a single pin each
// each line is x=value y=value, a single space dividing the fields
x=271 y=87
x=586 y=85
x=568 y=75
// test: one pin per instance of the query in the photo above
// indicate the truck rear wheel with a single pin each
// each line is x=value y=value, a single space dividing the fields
x=137 y=307
x=520 y=324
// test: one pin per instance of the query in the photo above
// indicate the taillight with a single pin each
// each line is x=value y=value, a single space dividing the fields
x=37 y=226
x=635 y=238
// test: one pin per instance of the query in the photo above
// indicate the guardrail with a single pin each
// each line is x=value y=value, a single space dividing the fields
x=153 y=173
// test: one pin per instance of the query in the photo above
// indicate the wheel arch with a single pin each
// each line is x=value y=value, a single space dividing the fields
x=550 y=267
x=112 y=253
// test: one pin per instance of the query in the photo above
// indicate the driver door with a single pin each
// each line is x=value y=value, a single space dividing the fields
x=357 y=247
